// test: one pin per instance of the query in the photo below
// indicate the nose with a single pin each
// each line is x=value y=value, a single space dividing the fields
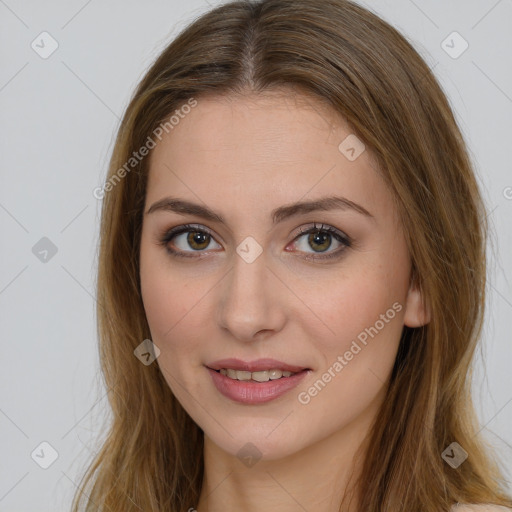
x=251 y=303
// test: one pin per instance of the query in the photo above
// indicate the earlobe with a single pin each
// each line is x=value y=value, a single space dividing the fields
x=417 y=313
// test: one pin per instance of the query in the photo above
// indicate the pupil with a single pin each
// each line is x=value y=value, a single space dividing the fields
x=320 y=239
x=196 y=238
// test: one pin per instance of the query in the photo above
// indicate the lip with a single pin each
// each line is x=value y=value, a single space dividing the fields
x=251 y=392
x=255 y=366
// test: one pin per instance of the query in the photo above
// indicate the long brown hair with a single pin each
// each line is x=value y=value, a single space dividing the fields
x=152 y=456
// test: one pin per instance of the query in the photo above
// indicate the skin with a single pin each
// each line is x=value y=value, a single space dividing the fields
x=242 y=157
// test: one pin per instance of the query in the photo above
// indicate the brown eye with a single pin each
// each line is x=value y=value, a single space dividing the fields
x=187 y=240
x=198 y=240
x=320 y=239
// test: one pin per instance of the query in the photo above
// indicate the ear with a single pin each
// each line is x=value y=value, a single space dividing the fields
x=417 y=313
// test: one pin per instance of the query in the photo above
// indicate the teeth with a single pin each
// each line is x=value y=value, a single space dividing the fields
x=261 y=376
x=264 y=376
x=275 y=374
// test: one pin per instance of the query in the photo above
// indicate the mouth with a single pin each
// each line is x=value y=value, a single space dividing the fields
x=257 y=381
x=261 y=370
x=260 y=376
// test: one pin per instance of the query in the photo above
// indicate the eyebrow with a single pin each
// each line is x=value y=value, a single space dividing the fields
x=184 y=207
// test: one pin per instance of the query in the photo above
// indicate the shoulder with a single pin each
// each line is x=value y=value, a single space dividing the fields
x=479 y=508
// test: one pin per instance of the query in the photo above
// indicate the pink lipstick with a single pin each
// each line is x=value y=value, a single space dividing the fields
x=255 y=382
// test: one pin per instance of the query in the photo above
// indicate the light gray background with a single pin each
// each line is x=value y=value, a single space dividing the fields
x=58 y=120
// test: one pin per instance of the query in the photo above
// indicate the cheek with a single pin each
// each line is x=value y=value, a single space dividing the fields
x=367 y=319
x=166 y=304
x=353 y=302
x=175 y=305
x=362 y=311
x=364 y=286
x=164 y=294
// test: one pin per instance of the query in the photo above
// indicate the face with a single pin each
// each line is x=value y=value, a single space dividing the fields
x=243 y=257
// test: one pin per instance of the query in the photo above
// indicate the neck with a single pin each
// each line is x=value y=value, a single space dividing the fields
x=318 y=477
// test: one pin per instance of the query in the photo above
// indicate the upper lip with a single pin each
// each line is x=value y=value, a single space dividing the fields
x=255 y=366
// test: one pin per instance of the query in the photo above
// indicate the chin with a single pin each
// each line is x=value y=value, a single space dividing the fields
x=260 y=442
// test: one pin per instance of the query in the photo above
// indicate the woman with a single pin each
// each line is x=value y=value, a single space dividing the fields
x=291 y=276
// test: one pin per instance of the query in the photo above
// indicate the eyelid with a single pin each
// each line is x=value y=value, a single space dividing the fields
x=165 y=237
x=342 y=238
x=339 y=235
x=324 y=227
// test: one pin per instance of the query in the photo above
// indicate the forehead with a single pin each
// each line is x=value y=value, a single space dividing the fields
x=261 y=149
x=280 y=120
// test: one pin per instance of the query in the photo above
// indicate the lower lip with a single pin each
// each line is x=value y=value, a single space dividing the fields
x=250 y=392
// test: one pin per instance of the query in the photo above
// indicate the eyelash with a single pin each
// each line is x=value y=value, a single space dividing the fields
x=185 y=228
